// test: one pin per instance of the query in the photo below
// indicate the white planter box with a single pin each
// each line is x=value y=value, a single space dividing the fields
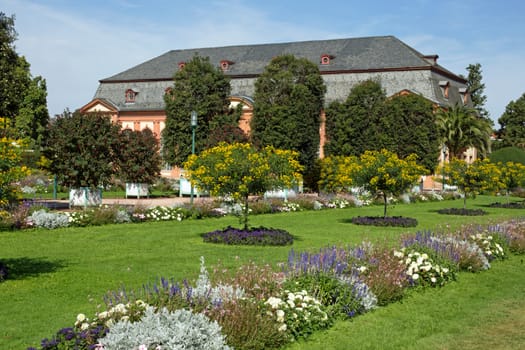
x=137 y=190
x=85 y=197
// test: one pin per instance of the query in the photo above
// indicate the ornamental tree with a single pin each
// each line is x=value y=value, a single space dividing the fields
x=82 y=149
x=11 y=169
x=238 y=170
x=471 y=179
x=383 y=172
x=139 y=157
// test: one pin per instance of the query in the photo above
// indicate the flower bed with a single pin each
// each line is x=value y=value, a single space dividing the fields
x=512 y=205
x=252 y=236
x=397 y=221
x=258 y=308
x=462 y=211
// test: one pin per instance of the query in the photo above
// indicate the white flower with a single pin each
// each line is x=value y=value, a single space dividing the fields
x=282 y=328
x=398 y=254
x=274 y=302
x=103 y=315
x=84 y=326
x=433 y=279
x=415 y=276
x=81 y=318
x=445 y=270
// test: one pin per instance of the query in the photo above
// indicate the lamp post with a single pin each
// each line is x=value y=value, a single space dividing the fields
x=193 y=123
x=444 y=149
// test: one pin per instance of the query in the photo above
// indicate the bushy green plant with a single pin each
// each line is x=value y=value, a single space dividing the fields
x=179 y=330
x=422 y=270
x=42 y=218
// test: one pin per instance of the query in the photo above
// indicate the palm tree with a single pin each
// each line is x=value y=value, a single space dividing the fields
x=460 y=128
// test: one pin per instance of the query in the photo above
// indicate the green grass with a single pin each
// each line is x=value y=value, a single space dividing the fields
x=57 y=274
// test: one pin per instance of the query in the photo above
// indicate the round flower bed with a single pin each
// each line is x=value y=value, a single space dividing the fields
x=252 y=236
x=513 y=205
x=397 y=221
x=462 y=211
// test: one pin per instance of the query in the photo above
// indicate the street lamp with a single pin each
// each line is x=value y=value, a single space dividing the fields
x=444 y=149
x=193 y=123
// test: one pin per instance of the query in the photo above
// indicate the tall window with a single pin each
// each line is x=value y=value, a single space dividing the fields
x=130 y=96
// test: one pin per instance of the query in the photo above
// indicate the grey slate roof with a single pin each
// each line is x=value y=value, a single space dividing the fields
x=370 y=53
x=371 y=57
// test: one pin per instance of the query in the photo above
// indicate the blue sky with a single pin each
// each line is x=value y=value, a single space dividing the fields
x=74 y=44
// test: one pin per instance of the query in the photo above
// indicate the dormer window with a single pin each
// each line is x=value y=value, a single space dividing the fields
x=325 y=59
x=445 y=86
x=182 y=65
x=464 y=95
x=131 y=95
x=167 y=91
x=225 y=65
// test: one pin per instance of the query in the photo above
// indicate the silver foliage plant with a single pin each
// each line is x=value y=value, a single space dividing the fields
x=178 y=330
x=42 y=218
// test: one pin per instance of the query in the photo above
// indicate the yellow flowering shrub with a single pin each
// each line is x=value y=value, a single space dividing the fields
x=512 y=176
x=11 y=169
x=337 y=172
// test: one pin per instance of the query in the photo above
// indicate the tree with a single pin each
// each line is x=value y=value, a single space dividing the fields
x=353 y=127
x=199 y=87
x=477 y=89
x=471 y=179
x=383 y=172
x=459 y=128
x=288 y=101
x=239 y=170
x=82 y=149
x=512 y=122
x=21 y=96
x=508 y=154
x=11 y=169
x=33 y=115
x=512 y=176
x=408 y=122
x=139 y=159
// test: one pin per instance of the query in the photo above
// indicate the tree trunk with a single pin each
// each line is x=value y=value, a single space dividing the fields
x=385 y=201
x=245 y=213
x=464 y=200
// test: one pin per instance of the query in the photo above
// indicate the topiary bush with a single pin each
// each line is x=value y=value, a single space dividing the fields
x=181 y=330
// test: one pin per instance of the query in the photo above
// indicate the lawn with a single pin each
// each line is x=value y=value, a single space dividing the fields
x=56 y=274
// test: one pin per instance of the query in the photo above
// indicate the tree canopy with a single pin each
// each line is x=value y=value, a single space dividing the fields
x=139 y=159
x=460 y=127
x=82 y=149
x=288 y=101
x=476 y=89
x=203 y=88
x=239 y=170
x=512 y=122
x=23 y=99
x=368 y=120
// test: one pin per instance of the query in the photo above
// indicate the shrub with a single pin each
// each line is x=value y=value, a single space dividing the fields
x=421 y=269
x=385 y=276
x=297 y=313
x=252 y=236
x=513 y=232
x=163 y=213
x=42 y=218
x=181 y=329
x=396 y=221
x=246 y=327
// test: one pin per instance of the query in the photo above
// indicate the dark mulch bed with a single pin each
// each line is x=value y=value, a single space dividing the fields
x=396 y=221
x=252 y=236
x=512 y=205
x=462 y=211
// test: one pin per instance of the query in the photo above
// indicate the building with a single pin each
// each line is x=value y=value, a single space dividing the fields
x=134 y=98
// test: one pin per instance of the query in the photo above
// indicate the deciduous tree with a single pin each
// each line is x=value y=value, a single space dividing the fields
x=139 y=159
x=203 y=88
x=82 y=149
x=512 y=122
